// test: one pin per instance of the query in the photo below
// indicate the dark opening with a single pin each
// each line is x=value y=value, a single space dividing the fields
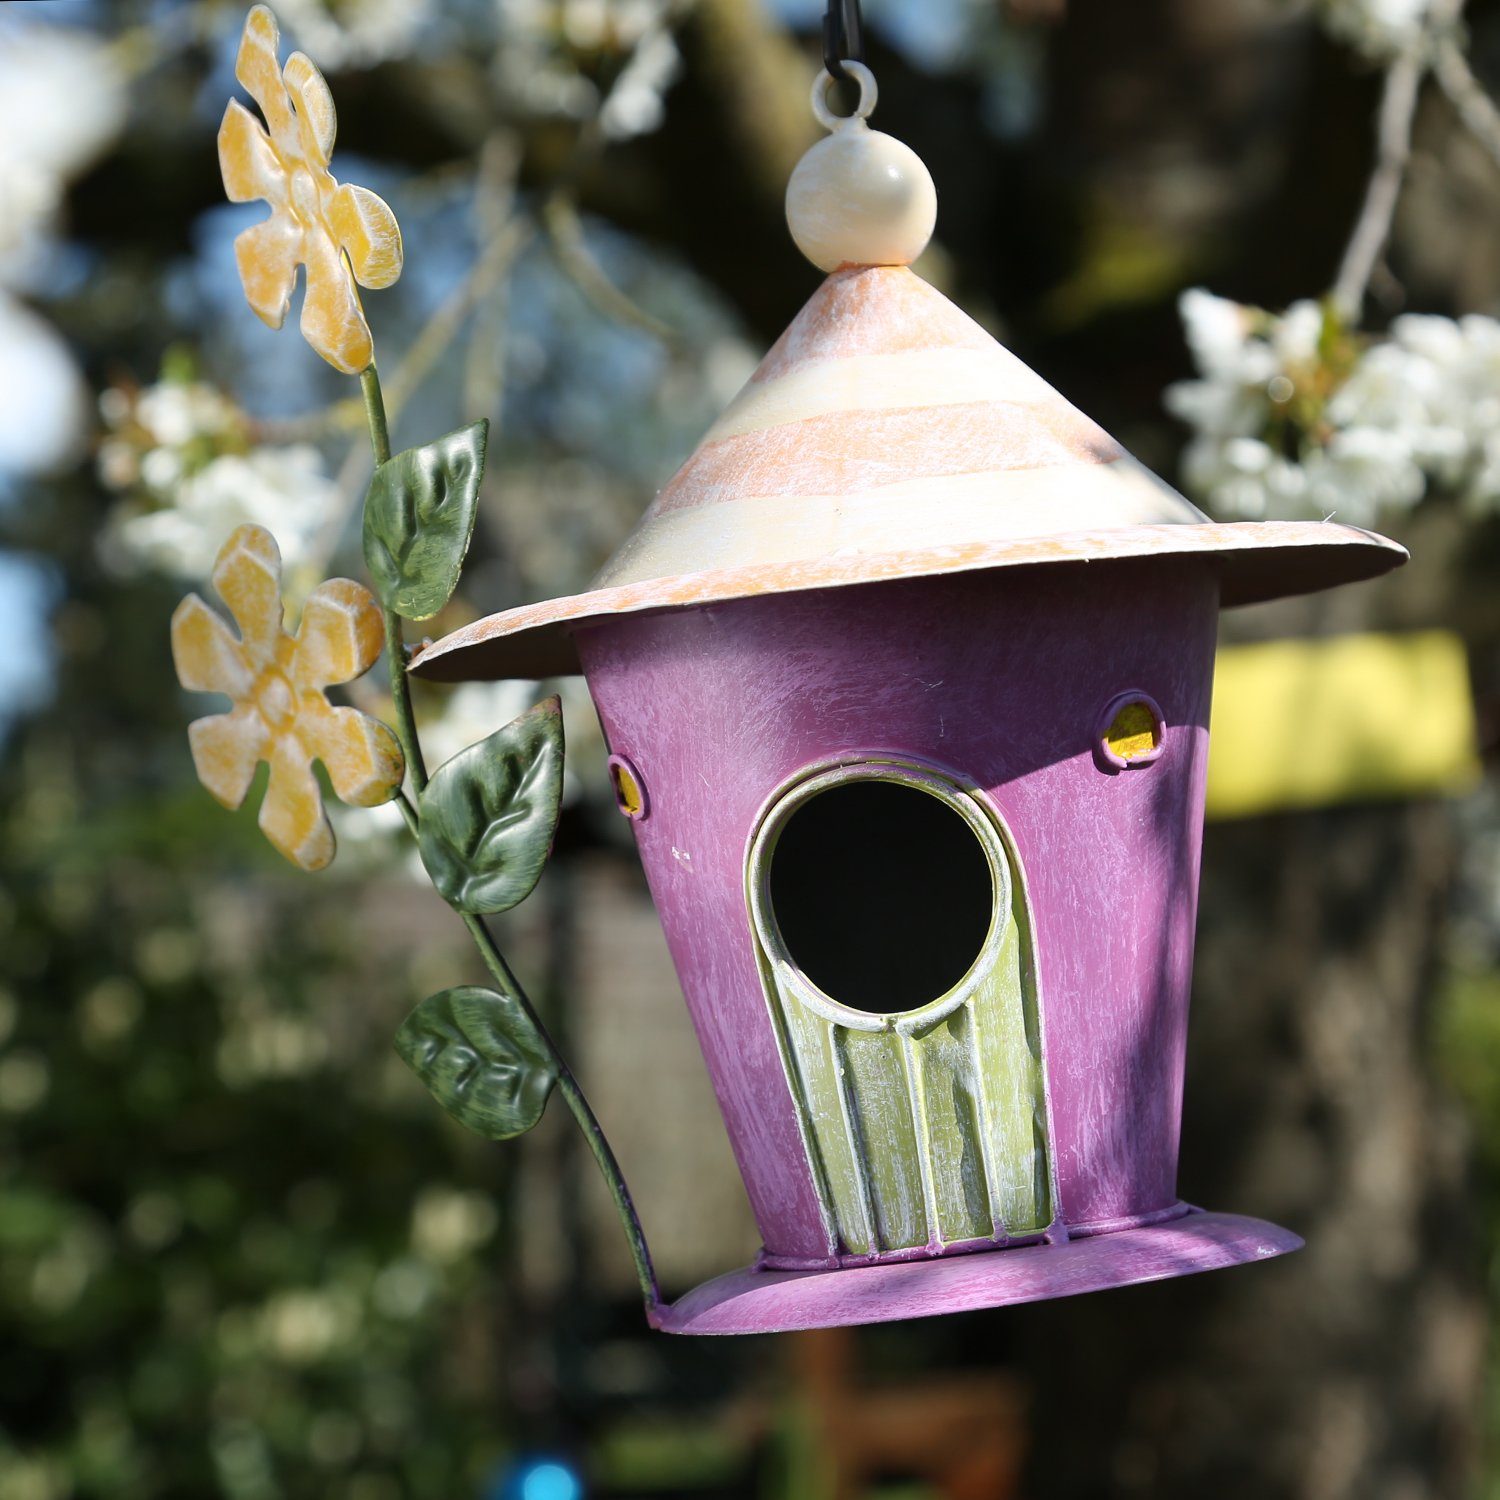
x=883 y=895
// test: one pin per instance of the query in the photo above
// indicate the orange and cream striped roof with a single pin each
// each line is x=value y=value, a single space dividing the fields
x=887 y=435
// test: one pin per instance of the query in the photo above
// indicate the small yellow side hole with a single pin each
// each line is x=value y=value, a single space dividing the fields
x=627 y=792
x=1134 y=731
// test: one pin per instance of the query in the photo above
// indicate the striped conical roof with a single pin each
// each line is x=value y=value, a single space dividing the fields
x=887 y=435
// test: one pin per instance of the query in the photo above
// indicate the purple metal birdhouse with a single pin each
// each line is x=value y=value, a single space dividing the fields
x=906 y=679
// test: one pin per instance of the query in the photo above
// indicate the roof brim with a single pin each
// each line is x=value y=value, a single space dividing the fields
x=1258 y=561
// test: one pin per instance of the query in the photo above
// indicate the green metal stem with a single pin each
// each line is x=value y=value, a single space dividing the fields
x=577 y=1102
x=395 y=642
x=406 y=721
x=380 y=437
x=413 y=822
x=406 y=730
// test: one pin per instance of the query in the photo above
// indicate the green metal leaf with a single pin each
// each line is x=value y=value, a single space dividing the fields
x=481 y=1058
x=488 y=815
x=419 y=517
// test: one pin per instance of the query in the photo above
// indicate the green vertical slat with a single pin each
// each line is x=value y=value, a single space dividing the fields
x=1013 y=1086
x=877 y=1081
x=954 y=1120
x=816 y=1052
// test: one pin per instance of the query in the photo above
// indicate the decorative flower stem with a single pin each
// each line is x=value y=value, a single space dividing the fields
x=485 y=822
x=395 y=644
x=588 y=1122
x=495 y=961
x=380 y=436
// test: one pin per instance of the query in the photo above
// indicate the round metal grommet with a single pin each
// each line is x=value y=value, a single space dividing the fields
x=629 y=789
x=1131 y=732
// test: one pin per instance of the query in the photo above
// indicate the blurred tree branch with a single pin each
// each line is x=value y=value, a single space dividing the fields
x=1372 y=230
x=1398 y=107
x=1475 y=107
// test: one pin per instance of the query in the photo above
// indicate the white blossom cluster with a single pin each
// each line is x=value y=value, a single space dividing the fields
x=62 y=102
x=356 y=33
x=539 y=49
x=1377 y=28
x=178 y=453
x=540 y=43
x=1293 y=416
x=635 y=104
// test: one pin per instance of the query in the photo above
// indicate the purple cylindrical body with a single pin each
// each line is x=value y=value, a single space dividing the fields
x=1001 y=678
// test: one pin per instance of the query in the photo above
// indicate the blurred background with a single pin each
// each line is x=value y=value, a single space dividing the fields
x=241 y=1252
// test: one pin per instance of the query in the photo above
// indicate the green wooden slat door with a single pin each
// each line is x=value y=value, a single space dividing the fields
x=927 y=1126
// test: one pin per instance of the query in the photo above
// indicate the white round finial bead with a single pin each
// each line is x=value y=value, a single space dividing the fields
x=860 y=197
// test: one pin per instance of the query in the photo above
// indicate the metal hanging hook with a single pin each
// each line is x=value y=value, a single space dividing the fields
x=843 y=37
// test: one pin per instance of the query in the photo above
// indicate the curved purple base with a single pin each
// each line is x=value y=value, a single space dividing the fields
x=752 y=1301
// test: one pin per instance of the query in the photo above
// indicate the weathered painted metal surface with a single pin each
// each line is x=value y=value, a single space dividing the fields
x=1000 y=678
x=885 y=436
x=926 y=1128
x=759 y=1301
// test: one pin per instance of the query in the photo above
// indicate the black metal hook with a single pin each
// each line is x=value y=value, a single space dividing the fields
x=843 y=37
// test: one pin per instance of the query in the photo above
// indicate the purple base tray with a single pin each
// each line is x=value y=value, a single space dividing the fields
x=753 y=1301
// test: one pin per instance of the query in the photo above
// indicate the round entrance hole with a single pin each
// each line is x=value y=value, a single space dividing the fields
x=882 y=894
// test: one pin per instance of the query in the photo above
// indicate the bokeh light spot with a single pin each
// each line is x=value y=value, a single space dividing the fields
x=551 y=1481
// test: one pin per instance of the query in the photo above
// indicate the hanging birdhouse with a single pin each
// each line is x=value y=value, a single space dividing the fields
x=906 y=676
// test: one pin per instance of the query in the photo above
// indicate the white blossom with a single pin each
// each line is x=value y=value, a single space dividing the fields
x=1236 y=363
x=1362 y=472
x=536 y=64
x=636 y=104
x=179 y=452
x=62 y=101
x=357 y=33
x=1220 y=334
x=43 y=400
x=1296 y=335
x=176 y=412
x=283 y=489
x=1377 y=28
x=1283 y=427
x=156 y=437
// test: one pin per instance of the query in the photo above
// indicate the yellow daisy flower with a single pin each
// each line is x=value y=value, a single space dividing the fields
x=341 y=233
x=275 y=684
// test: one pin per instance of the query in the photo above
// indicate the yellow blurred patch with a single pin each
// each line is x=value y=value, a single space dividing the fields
x=1312 y=723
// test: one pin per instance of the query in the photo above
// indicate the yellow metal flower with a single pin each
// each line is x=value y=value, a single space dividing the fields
x=275 y=683
x=314 y=221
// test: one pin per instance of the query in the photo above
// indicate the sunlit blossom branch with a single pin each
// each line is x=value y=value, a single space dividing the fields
x=565 y=235
x=1372 y=230
x=433 y=342
x=494 y=206
x=564 y=228
x=1398 y=107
